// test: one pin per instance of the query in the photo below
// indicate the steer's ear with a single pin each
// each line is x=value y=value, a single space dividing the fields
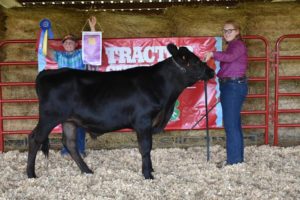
x=172 y=48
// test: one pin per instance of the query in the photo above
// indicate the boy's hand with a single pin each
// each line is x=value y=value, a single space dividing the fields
x=92 y=22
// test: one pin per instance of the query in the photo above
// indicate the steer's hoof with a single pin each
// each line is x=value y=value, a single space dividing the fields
x=88 y=171
x=149 y=176
x=31 y=175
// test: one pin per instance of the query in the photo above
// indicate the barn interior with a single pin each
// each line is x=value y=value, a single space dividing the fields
x=154 y=18
x=179 y=158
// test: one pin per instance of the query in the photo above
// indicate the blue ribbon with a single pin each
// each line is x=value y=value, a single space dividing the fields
x=45 y=25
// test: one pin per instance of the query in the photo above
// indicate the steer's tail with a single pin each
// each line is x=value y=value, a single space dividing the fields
x=45 y=147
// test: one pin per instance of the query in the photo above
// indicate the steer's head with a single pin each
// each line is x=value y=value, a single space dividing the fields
x=190 y=64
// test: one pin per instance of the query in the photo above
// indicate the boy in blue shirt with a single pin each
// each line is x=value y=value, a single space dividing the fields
x=72 y=58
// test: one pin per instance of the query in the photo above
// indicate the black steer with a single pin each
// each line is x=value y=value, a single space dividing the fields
x=140 y=98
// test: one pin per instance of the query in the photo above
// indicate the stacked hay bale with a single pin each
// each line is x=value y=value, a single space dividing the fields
x=266 y=19
x=273 y=21
x=202 y=20
x=2 y=31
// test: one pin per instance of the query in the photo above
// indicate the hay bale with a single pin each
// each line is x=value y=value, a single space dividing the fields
x=24 y=22
x=272 y=20
x=2 y=31
x=114 y=25
x=2 y=25
x=120 y=25
x=202 y=20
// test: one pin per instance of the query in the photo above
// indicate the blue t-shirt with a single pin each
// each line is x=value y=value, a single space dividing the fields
x=69 y=59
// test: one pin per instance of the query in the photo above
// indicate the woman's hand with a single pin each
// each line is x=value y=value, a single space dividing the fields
x=92 y=22
x=208 y=56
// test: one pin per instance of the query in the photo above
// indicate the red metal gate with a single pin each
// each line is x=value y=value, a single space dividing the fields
x=282 y=77
x=14 y=84
x=264 y=79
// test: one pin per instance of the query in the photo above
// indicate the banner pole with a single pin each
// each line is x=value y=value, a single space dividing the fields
x=207 y=128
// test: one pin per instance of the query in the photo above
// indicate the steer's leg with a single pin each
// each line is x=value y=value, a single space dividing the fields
x=144 y=137
x=38 y=136
x=33 y=148
x=69 y=141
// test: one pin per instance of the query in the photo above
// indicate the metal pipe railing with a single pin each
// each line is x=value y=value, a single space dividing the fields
x=277 y=93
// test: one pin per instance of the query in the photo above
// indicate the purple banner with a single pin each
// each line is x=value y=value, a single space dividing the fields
x=92 y=48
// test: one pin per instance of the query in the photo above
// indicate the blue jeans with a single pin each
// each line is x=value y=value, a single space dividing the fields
x=232 y=96
x=80 y=142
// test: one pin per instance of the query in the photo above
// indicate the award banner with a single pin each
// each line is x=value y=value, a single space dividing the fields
x=92 y=48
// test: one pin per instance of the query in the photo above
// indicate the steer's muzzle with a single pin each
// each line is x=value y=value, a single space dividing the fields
x=209 y=73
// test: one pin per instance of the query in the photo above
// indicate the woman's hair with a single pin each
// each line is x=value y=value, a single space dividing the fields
x=236 y=26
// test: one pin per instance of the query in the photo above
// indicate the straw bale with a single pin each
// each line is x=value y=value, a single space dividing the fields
x=120 y=25
x=202 y=20
x=289 y=118
x=290 y=46
x=19 y=125
x=2 y=31
x=272 y=20
x=256 y=69
x=254 y=104
x=289 y=86
x=253 y=119
x=256 y=87
x=24 y=22
x=288 y=136
x=2 y=26
x=21 y=92
x=67 y=21
x=19 y=73
x=289 y=102
x=20 y=52
x=15 y=109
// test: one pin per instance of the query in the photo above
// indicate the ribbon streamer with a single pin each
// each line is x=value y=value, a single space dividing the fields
x=45 y=32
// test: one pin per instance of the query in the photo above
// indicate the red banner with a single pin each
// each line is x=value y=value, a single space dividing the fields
x=120 y=54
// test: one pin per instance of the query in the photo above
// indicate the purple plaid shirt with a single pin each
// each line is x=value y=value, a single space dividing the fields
x=233 y=60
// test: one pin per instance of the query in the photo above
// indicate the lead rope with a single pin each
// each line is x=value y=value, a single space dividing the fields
x=206 y=115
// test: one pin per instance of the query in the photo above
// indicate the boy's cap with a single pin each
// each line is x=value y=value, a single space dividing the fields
x=69 y=37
